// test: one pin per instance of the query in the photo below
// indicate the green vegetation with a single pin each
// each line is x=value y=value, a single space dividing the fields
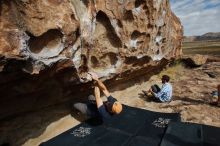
x=202 y=47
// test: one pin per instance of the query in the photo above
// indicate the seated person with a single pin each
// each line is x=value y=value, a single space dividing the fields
x=165 y=93
x=217 y=103
x=95 y=106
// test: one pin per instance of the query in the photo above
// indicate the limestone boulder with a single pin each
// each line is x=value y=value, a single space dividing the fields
x=100 y=36
x=195 y=60
x=48 y=46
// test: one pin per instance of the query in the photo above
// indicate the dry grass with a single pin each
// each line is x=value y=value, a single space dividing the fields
x=202 y=47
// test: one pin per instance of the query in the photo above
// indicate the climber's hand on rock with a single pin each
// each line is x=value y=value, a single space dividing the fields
x=93 y=75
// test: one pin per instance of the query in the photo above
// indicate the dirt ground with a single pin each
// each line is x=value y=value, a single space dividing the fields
x=192 y=90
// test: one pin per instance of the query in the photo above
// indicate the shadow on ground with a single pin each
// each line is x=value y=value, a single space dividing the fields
x=15 y=131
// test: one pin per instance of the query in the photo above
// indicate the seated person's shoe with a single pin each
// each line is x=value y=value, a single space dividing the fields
x=215 y=104
x=147 y=93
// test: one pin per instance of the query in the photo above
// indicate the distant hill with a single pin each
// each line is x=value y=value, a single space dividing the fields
x=211 y=36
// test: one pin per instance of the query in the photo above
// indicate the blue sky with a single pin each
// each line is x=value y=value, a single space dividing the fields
x=197 y=16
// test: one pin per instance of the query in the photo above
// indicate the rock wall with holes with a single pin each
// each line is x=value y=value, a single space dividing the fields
x=48 y=46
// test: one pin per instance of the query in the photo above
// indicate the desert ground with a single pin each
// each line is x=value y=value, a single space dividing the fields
x=192 y=88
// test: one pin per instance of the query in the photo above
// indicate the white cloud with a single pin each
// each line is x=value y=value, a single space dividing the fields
x=198 y=16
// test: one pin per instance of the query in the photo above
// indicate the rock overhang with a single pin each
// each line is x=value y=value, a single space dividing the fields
x=97 y=36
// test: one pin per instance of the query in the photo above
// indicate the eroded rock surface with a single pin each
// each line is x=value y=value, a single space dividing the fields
x=47 y=46
x=99 y=36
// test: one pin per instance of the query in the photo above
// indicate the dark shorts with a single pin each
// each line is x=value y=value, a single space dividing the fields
x=155 y=88
x=88 y=108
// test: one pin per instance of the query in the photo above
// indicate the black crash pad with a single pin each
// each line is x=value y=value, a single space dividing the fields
x=189 y=134
x=132 y=127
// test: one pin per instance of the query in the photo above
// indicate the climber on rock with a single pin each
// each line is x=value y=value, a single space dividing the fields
x=164 y=94
x=95 y=107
